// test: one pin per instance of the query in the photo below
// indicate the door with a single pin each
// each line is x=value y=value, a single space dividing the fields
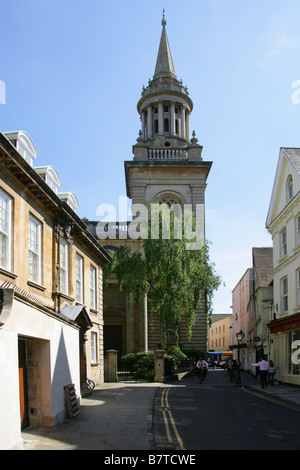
x=113 y=338
x=23 y=384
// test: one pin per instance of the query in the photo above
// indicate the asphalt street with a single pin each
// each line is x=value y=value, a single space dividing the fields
x=218 y=415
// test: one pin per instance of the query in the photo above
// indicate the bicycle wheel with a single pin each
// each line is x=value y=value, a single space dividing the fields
x=90 y=384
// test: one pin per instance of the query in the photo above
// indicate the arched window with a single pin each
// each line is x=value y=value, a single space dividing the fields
x=289 y=188
x=173 y=202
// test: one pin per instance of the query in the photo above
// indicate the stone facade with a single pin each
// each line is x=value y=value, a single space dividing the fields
x=167 y=167
x=51 y=317
x=219 y=333
x=283 y=223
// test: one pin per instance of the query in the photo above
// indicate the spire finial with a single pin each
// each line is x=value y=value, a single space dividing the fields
x=163 y=22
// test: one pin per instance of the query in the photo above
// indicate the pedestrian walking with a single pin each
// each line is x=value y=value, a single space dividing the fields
x=264 y=366
x=229 y=367
x=271 y=372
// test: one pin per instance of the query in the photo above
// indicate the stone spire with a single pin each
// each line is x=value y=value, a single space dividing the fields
x=164 y=63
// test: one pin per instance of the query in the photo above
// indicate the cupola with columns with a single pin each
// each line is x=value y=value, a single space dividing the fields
x=164 y=109
x=167 y=163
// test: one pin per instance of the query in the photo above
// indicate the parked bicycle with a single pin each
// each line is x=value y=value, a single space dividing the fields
x=90 y=384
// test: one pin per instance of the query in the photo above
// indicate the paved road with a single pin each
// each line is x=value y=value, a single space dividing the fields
x=217 y=415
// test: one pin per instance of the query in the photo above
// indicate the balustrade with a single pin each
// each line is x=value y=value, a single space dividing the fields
x=167 y=154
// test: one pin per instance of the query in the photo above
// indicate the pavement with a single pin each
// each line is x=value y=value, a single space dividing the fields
x=118 y=416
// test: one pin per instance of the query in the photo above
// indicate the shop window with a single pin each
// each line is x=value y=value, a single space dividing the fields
x=293 y=352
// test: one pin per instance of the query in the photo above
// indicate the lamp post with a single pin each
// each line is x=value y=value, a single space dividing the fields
x=239 y=336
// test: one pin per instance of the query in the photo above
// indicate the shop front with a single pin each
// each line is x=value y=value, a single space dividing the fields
x=285 y=348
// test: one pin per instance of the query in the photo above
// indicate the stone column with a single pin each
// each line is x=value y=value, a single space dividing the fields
x=143 y=324
x=143 y=125
x=160 y=119
x=183 y=130
x=172 y=118
x=149 y=123
x=187 y=125
x=130 y=325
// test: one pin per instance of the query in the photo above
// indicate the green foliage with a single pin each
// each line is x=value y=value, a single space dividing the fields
x=194 y=353
x=176 y=352
x=175 y=279
x=141 y=364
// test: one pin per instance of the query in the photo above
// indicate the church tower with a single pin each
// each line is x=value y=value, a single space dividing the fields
x=167 y=167
x=167 y=164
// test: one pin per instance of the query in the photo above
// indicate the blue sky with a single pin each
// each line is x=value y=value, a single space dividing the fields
x=74 y=72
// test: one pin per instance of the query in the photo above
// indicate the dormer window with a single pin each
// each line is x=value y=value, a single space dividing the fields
x=23 y=144
x=50 y=176
x=70 y=199
x=26 y=154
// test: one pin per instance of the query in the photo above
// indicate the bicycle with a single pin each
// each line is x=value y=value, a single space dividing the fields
x=90 y=384
x=201 y=375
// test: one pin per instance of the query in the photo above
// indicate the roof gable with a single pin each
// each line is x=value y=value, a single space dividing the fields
x=288 y=167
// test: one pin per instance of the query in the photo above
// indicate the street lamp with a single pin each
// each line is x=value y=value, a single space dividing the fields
x=239 y=336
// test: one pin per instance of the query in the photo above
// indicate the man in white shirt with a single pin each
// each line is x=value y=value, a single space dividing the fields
x=263 y=371
x=202 y=367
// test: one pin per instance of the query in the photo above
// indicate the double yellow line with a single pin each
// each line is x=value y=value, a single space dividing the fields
x=167 y=415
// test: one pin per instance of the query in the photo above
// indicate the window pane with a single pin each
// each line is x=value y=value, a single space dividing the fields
x=93 y=347
x=64 y=263
x=293 y=356
x=284 y=290
x=93 y=287
x=79 y=278
x=34 y=250
x=298 y=287
x=5 y=230
x=283 y=243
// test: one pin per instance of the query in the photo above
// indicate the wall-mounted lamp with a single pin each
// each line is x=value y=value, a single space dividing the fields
x=67 y=229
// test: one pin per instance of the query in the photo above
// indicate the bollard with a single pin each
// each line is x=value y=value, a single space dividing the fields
x=112 y=375
x=159 y=366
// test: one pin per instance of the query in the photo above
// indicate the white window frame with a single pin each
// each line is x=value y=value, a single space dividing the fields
x=298 y=288
x=79 y=278
x=298 y=230
x=93 y=286
x=64 y=266
x=35 y=249
x=94 y=349
x=283 y=242
x=284 y=288
x=5 y=230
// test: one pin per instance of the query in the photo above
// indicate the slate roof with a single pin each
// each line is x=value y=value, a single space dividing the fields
x=263 y=264
x=293 y=155
x=164 y=63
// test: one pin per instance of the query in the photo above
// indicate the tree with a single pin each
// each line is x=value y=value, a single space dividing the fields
x=174 y=278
